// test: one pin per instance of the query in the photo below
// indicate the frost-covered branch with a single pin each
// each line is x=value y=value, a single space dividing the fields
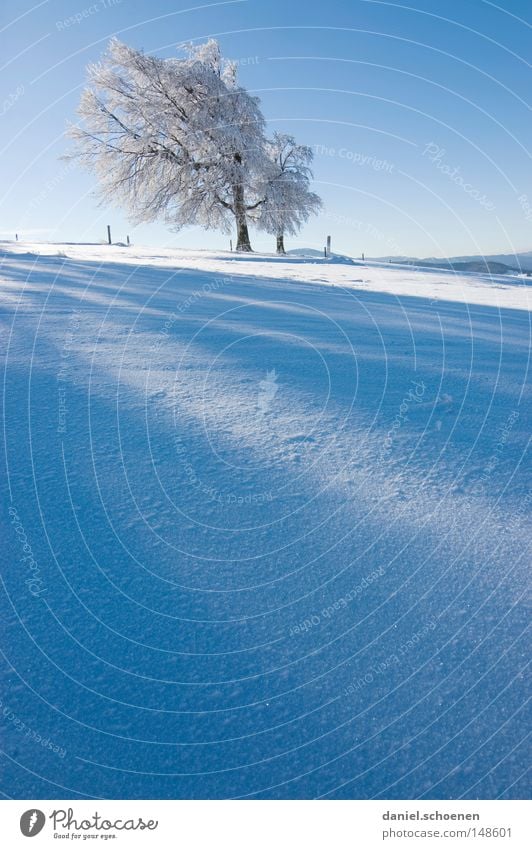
x=288 y=202
x=175 y=139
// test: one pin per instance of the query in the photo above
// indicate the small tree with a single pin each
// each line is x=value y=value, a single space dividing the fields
x=176 y=139
x=288 y=201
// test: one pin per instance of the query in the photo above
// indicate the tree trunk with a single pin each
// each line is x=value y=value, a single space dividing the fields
x=280 y=244
x=243 y=243
x=242 y=233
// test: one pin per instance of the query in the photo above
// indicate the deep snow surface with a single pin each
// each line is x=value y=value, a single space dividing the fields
x=266 y=524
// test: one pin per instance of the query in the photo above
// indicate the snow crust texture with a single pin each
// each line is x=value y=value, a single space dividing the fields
x=266 y=527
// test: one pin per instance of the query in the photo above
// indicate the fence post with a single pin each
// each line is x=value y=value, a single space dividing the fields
x=109 y=233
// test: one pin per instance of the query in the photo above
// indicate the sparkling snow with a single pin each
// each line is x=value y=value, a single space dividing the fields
x=271 y=526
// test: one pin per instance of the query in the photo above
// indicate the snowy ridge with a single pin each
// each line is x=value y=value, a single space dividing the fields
x=510 y=291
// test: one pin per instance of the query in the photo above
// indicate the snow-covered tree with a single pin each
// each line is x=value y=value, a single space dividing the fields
x=176 y=139
x=288 y=201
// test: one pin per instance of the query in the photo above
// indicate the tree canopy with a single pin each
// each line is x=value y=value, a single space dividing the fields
x=180 y=140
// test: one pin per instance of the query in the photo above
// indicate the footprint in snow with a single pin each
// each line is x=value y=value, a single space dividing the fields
x=300 y=439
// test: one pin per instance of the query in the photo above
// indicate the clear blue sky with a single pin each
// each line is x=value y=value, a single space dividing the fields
x=370 y=85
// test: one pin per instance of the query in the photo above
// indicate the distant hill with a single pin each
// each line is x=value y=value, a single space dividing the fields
x=494 y=264
x=478 y=266
x=483 y=267
x=521 y=261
